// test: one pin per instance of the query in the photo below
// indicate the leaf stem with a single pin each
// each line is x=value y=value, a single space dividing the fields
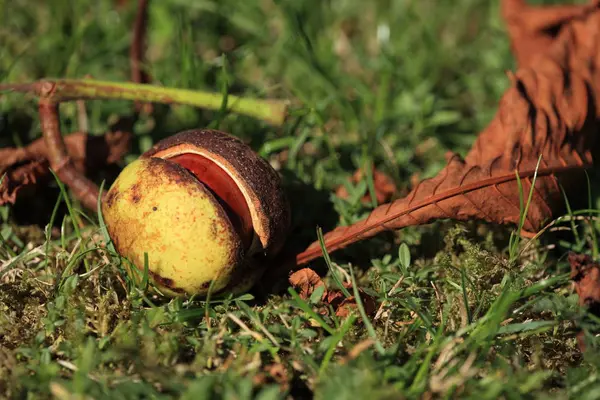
x=58 y=90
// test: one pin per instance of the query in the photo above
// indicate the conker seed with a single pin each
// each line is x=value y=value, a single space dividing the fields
x=205 y=209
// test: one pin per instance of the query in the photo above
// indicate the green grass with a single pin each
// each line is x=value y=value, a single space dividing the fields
x=398 y=83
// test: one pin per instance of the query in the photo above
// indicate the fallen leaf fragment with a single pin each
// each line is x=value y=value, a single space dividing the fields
x=345 y=305
x=305 y=281
x=348 y=305
x=534 y=28
x=25 y=167
x=585 y=274
x=385 y=187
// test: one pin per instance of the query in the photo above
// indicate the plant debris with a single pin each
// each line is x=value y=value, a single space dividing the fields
x=585 y=274
x=533 y=28
x=545 y=129
x=28 y=166
x=343 y=306
x=306 y=281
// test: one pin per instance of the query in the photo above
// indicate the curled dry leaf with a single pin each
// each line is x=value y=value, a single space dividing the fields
x=305 y=281
x=384 y=186
x=551 y=109
x=28 y=166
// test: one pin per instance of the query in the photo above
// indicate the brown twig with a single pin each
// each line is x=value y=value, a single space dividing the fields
x=58 y=157
x=82 y=117
x=137 y=50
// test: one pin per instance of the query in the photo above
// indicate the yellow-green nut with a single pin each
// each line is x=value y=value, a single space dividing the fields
x=205 y=210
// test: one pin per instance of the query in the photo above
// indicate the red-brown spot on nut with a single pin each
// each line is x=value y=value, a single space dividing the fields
x=165 y=282
x=136 y=194
x=111 y=197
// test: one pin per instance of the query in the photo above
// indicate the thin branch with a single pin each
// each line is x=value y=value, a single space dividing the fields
x=58 y=90
x=137 y=49
x=136 y=52
x=84 y=189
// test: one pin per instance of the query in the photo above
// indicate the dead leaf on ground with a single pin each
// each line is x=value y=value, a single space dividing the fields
x=345 y=305
x=349 y=305
x=385 y=187
x=534 y=28
x=306 y=281
x=26 y=167
x=551 y=109
x=585 y=274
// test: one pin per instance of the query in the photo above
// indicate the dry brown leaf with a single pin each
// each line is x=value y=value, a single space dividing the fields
x=384 y=186
x=585 y=274
x=306 y=281
x=349 y=304
x=27 y=166
x=552 y=110
x=535 y=28
x=345 y=305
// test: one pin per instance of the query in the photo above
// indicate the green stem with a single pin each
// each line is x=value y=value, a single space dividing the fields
x=58 y=90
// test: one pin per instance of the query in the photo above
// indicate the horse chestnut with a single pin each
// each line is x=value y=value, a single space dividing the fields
x=203 y=207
